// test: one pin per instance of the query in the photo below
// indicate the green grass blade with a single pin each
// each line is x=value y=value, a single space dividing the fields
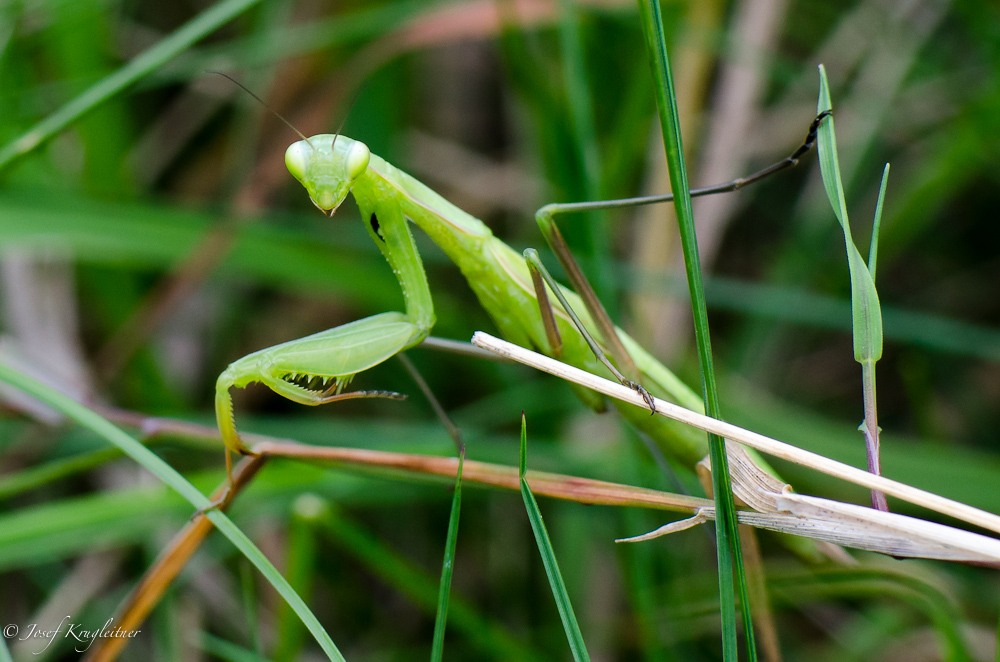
x=448 y=567
x=866 y=311
x=145 y=63
x=730 y=556
x=566 y=614
x=873 y=250
x=168 y=475
x=57 y=530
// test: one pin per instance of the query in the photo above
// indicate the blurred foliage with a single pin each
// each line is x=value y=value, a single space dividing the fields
x=163 y=222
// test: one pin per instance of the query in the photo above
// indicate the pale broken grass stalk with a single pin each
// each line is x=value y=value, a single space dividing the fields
x=850 y=524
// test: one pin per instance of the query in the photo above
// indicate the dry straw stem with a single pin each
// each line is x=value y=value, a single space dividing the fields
x=845 y=524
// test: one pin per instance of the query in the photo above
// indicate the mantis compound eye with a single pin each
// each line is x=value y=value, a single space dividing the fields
x=295 y=158
x=357 y=160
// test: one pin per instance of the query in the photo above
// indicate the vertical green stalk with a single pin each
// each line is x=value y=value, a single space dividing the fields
x=871 y=430
x=448 y=567
x=728 y=548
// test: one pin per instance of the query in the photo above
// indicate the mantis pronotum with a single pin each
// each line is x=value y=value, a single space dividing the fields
x=314 y=370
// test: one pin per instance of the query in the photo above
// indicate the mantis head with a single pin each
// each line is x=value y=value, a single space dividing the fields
x=327 y=165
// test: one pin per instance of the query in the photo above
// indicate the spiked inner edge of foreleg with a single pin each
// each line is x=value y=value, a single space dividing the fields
x=316 y=384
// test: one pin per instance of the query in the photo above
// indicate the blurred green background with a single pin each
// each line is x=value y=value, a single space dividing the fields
x=158 y=237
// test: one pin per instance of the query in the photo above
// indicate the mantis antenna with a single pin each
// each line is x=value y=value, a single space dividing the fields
x=261 y=102
x=347 y=114
x=280 y=117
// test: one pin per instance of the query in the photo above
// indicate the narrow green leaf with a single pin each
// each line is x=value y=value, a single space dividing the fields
x=60 y=529
x=865 y=307
x=730 y=557
x=566 y=614
x=829 y=164
x=447 y=568
x=873 y=249
x=168 y=475
x=145 y=63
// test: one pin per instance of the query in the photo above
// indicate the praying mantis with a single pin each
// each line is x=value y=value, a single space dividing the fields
x=512 y=288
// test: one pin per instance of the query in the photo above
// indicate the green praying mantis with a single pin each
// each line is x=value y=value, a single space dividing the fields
x=512 y=288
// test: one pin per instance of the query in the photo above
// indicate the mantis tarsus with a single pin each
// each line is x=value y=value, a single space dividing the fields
x=314 y=370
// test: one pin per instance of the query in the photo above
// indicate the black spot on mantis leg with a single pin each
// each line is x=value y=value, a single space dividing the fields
x=376 y=228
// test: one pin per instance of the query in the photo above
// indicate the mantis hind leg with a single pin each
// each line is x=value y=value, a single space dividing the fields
x=545 y=217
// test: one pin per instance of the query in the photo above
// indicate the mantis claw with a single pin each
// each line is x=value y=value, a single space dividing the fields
x=644 y=394
x=389 y=395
